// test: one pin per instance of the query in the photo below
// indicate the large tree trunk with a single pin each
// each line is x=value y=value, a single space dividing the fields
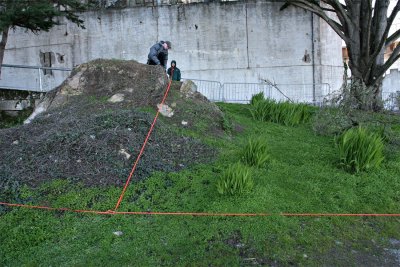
x=364 y=25
x=3 y=43
x=362 y=96
x=365 y=37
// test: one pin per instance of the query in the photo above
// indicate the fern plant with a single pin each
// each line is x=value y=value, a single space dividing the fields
x=360 y=150
x=255 y=153
x=236 y=179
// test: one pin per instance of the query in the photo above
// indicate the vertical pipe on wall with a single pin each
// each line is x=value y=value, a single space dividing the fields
x=40 y=80
x=312 y=56
x=247 y=40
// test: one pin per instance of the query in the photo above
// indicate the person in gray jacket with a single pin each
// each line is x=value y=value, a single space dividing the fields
x=158 y=54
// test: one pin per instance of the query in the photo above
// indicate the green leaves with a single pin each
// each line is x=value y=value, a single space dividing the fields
x=257 y=98
x=236 y=179
x=256 y=153
x=360 y=150
x=285 y=113
x=40 y=15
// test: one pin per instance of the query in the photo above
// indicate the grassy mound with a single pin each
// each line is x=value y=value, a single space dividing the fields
x=85 y=137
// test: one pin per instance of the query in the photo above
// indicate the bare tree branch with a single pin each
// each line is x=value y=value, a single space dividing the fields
x=365 y=29
x=392 y=59
x=386 y=32
x=392 y=37
x=340 y=10
x=317 y=10
x=382 y=38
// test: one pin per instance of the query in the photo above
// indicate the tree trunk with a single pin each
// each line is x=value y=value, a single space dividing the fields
x=364 y=25
x=362 y=96
x=3 y=43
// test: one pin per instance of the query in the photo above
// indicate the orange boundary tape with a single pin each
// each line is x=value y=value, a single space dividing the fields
x=142 y=149
x=202 y=214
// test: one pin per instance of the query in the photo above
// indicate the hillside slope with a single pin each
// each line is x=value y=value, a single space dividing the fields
x=91 y=128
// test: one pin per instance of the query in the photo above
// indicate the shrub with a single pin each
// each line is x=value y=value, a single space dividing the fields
x=7 y=121
x=331 y=121
x=260 y=110
x=360 y=150
x=236 y=179
x=226 y=124
x=9 y=192
x=286 y=113
x=255 y=153
x=257 y=98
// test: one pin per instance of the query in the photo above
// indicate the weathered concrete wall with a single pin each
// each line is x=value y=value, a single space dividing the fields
x=245 y=42
x=391 y=83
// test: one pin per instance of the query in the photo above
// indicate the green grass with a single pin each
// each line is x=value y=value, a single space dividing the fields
x=236 y=179
x=302 y=177
x=289 y=114
x=360 y=149
x=7 y=121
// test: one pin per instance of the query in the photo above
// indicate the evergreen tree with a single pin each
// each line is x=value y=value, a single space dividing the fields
x=36 y=16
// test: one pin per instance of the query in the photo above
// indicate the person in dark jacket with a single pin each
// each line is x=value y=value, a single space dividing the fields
x=173 y=72
x=158 y=54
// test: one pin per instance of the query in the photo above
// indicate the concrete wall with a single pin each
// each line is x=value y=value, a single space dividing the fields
x=391 y=83
x=247 y=42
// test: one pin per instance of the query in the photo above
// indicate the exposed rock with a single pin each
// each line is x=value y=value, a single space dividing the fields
x=165 y=110
x=124 y=153
x=116 y=98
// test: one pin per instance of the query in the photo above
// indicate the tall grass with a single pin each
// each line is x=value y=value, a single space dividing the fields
x=257 y=98
x=255 y=153
x=236 y=179
x=286 y=113
x=360 y=150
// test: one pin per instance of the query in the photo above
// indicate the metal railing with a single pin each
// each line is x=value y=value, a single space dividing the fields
x=391 y=100
x=210 y=89
x=242 y=92
x=32 y=78
x=305 y=93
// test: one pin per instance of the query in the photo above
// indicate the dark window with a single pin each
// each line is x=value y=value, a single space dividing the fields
x=47 y=60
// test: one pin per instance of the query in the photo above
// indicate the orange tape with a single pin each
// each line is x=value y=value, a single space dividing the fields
x=141 y=150
x=202 y=214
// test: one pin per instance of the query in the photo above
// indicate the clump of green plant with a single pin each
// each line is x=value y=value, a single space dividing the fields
x=236 y=179
x=261 y=110
x=226 y=124
x=7 y=121
x=360 y=150
x=257 y=98
x=255 y=153
x=286 y=113
x=9 y=192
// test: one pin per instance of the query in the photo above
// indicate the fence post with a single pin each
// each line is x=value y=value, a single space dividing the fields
x=222 y=92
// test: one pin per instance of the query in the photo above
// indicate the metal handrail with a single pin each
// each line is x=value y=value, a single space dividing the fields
x=199 y=80
x=34 y=67
x=263 y=84
x=38 y=68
